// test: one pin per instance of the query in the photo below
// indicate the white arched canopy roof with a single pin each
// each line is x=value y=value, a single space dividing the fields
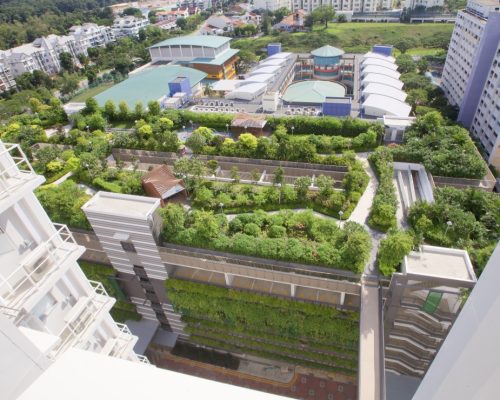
x=266 y=69
x=382 y=79
x=377 y=106
x=376 y=69
x=371 y=54
x=247 y=92
x=279 y=55
x=272 y=61
x=376 y=61
x=384 y=90
x=258 y=78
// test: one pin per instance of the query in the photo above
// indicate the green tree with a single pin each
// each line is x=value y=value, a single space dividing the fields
x=323 y=14
x=234 y=174
x=279 y=176
x=68 y=83
x=66 y=61
x=196 y=142
x=91 y=106
x=302 y=184
x=205 y=225
x=406 y=64
x=110 y=110
x=124 y=112
x=392 y=250
x=154 y=107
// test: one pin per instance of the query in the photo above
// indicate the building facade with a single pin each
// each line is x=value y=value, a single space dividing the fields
x=470 y=55
x=129 y=26
x=210 y=54
x=486 y=122
x=357 y=6
x=7 y=82
x=43 y=53
x=470 y=75
x=47 y=305
x=412 y=4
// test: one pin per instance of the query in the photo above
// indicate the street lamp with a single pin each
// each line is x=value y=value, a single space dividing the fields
x=448 y=225
x=88 y=129
x=227 y=128
x=293 y=127
x=340 y=214
x=191 y=122
x=221 y=205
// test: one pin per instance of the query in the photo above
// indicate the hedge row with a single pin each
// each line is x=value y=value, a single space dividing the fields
x=385 y=203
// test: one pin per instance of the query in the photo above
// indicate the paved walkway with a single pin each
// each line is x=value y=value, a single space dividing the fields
x=302 y=386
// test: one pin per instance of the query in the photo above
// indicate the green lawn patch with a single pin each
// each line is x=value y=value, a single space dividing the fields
x=91 y=92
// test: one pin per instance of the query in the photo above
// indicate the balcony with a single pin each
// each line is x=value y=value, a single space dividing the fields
x=122 y=345
x=83 y=318
x=143 y=359
x=15 y=171
x=25 y=276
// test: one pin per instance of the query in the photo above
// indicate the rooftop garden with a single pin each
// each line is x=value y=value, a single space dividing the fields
x=312 y=335
x=288 y=236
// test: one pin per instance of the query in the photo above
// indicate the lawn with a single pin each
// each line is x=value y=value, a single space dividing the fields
x=355 y=37
x=88 y=93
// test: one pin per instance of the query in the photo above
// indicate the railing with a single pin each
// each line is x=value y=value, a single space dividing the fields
x=143 y=359
x=13 y=164
x=79 y=324
x=123 y=340
x=39 y=264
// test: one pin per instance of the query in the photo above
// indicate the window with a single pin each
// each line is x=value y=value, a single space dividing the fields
x=128 y=246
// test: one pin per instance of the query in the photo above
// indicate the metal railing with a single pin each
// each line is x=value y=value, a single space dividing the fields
x=143 y=359
x=76 y=328
x=13 y=164
x=37 y=266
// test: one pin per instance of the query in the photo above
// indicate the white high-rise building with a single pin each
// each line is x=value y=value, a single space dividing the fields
x=47 y=305
x=486 y=122
x=470 y=55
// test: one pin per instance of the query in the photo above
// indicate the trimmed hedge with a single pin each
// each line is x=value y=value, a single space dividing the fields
x=385 y=203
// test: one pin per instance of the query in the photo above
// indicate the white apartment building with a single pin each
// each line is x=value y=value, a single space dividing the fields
x=271 y=5
x=47 y=305
x=411 y=4
x=341 y=5
x=43 y=53
x=486 y=122
x=129 y=26
x=92 y=35
x=7 y=82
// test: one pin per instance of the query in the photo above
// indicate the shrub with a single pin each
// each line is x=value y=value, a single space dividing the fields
x=392 y=250
x=276 y=231
x=252 y=229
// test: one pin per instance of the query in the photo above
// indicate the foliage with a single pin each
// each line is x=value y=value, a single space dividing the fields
x=474 y=217
x=392 y=250
x=309 y=239
x=122 y=310
x=241 y=318
x=63 y=203
x=384 y=206
x=443 y=150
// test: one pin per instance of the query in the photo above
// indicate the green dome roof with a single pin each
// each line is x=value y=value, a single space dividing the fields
x=327 y=51
x=312 y=91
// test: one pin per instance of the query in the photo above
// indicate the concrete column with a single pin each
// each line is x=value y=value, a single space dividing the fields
x=261 y=179
x=342 y=298
x=229 y=279
x=293 y=289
